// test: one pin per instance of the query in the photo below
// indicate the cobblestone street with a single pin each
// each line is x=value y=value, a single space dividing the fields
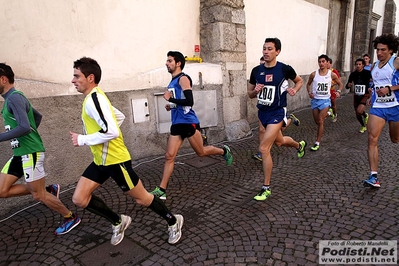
x=317 y=197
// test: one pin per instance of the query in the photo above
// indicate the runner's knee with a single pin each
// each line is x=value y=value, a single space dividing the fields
x=145 y=201
x=3 y=193
x=395 y=139
x=39 y=196
x=80 y=201
x=169 y=156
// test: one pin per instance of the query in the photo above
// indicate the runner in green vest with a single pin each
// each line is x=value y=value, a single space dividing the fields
x=21 y=121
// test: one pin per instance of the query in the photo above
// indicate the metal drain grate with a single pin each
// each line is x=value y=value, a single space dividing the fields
x=126 y=253
x=234 y=195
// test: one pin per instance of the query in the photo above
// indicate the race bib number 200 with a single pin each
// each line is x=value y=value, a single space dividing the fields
x=390 y=97
x=266 y=95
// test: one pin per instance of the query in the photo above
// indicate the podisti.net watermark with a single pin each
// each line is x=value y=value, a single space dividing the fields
x=358 y=252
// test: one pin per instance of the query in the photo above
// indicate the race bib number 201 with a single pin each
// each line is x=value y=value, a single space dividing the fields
x=360 y=89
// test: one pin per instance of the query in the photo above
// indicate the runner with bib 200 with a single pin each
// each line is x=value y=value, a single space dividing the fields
x=384 y=100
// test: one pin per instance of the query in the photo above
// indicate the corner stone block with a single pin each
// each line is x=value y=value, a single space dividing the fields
x=238 y=82
x=231 y=109
x=237 y=129
x=238 y=17
x=224 y=37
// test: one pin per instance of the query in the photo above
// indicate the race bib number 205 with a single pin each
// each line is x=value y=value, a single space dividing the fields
x=322 y=88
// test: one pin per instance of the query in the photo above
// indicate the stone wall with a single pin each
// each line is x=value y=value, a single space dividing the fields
x=223 y=41
x=361 y=29
x=389 y=17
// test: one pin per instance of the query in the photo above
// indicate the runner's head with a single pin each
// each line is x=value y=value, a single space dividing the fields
x=388 y=39
x=6 y=71
x=88 y=66
x=323 y=61
x=271 y=49
x=178 y=58
x=359 y=64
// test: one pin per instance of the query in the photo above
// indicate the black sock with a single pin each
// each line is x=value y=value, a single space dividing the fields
x=98 y=206
x=224 y=151
x=160 y=208
x=162 y=189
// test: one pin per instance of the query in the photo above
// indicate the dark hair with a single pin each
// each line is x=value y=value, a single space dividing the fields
x=323 y=56
x=179 y=57
x=388 y=39
x=276 y=41
x=88 y=66
x=330 y=60
x=366 y=55
x=6 y=70
x=262 y=58
x=361 y=60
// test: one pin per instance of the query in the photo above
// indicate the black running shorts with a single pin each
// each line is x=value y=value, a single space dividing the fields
x=122 y=173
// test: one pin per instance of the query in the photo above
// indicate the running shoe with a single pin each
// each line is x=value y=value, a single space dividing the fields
x=366 y=119
x=227 y=156
x=295 y=120
x=301 y=150
x=315 y=147
x=362 y=129
x=175 y=230
x=54 y=189
x=257 y=156
x=372 y=182
x=263 y=194
x=334 y=118
x=331 y=113
x=119 y=230
x=159 y=193
x=67 y=225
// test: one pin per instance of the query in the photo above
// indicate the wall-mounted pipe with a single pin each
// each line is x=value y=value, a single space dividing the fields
x=200 y=80
x=195 y=59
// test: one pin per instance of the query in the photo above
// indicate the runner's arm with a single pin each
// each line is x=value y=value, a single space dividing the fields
x=396 y=65
x=298 y=83
x=349 y=82
x=38 y=117
x=309 y=83
x=110 y=129
x=120 y=117
x=253 y=88
x=337 y=81
x=19 y=106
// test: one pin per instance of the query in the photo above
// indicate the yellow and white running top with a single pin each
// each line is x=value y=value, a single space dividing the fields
x=101 y=123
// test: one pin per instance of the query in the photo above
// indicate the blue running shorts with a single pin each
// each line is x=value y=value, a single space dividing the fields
x=320 y=103
x=390 y=114
x=274 y=116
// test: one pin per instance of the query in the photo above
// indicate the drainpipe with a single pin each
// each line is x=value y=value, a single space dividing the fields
x=195 y=59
